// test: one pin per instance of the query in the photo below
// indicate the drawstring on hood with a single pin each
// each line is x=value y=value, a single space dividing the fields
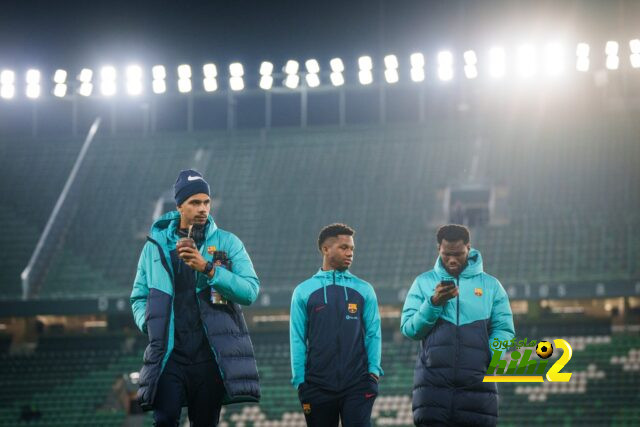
x=330 y=276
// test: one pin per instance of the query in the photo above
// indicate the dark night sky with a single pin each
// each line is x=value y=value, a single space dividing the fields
x=73 y=34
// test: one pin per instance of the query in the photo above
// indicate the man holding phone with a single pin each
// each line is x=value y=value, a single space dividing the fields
x=455 y=310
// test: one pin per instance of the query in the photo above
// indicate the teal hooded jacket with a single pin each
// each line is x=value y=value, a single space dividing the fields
x=455 y=340
x=224 y=324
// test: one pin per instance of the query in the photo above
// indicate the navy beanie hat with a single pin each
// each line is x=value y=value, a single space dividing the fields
x=189 y=182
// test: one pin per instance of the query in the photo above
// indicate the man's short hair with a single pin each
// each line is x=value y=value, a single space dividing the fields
x=453 y=233
x=334 y=230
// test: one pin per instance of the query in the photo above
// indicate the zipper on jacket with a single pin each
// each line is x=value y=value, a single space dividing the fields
x=455 y=366
x=338 y=373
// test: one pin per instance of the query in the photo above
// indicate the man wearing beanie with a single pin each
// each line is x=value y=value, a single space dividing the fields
x=186 y=297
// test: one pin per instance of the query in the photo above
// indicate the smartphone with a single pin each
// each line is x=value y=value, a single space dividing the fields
x=448 y=283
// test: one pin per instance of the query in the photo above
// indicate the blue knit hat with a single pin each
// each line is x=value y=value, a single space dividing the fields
x=189 y=182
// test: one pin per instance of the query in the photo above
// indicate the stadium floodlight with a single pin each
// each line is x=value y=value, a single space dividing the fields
x=470 y=64
x=366 y=65
x=313 y=68
x=634 y=45
x=184 y=78
x=337 y=68
x=60 y=77
x=134 y=80
x=526 y=57
x=582 y=57
x=184 y=71
x=86 y=87
x=184 y=85
x=266 y=77
x=159 y=74
x=7 y=84
x=291 y=67
x=391 y=69
x=60 y=90
x=292 y=81
x=60 y=80
x=108 y=80
x=236 y=82
x=497 y=62
x=417 y=67
x=266 y=68
x=445 y=65
x=337 y=79
x=209 y=82
x=33 y=84
x=611 y=50
x=312 y=80
x=554 y=59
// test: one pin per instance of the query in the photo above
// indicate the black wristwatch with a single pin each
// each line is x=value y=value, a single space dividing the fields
x=208 y=268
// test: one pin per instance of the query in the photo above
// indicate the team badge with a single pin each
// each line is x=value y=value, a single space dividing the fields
x=211 y=250
x=478 y=291
x=306 y=408
x=352 y=308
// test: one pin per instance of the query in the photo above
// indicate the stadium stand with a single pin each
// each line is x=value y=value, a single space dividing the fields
x=276 y=189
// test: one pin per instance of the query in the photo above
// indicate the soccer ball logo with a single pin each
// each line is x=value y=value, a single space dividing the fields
x=544 y=349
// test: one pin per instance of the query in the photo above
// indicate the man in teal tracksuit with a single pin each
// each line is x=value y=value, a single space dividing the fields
x=335 y=338
x=187 y=300
x=455 y=310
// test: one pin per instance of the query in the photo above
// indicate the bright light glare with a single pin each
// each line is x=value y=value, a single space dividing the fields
x=470 y=57
x=312 y=80
x=417 y=74
x=33 y=91
x=159 y=86
x=417 y=60
x=613 y=61
x=391 y=75
x=445 y=65
x=236 y=70
x=526 y=61
x=497 y=62
x=134 y=80
x=60 y=76
x=7 y=77
x=292 y=81
x=365 y=63
x=582 y=53
x=159 y=72
x=108 y=84
x=611 y=48
x=582 y=49
x=85 y=89
x=365 y=77
x=7 y=91
x=312 y=66
x=266 y=82
x=210 y=70
x=291 y=67
x=236 y=83
x=266 y=68
x=471 y=71
x=210 y=84
x=184 y=72
x=108 y=73
x=337 y=79
x=85 y=76
x=634 y=45
x=337 y=66
x=391 y=62
x=184 y=85
x=555 y=59
x=33 y=77
x=60 y=90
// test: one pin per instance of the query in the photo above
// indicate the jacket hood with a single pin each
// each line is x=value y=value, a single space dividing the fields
x=473 y=267
x=329 y=276
x=167 y=226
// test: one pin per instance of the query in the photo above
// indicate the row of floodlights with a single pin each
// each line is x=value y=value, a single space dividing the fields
x=526 y=65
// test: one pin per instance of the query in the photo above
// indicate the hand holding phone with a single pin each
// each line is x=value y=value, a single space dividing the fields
x=445 y=290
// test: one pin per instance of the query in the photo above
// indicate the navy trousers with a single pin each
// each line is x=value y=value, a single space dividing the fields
x=199 y=386
x=323 y=408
